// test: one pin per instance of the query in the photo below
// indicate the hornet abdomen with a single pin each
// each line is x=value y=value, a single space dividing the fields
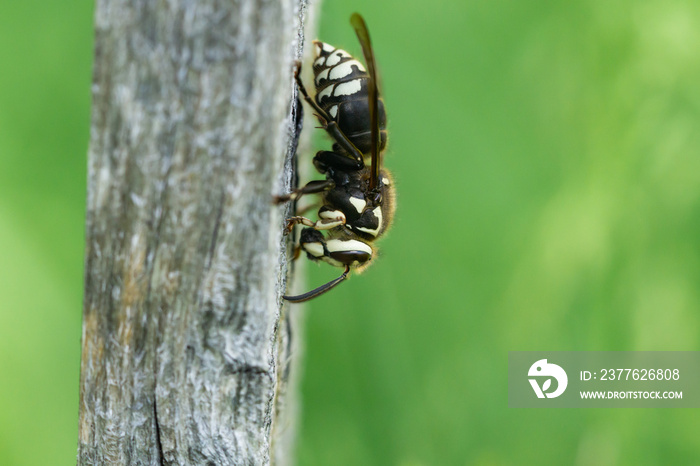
x=341 y=90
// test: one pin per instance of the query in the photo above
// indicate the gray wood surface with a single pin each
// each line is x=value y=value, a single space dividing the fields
x=187 y=345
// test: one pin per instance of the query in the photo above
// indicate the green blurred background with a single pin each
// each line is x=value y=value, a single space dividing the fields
x=547 y=159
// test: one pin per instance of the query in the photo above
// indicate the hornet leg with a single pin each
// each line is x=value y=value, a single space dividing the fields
x=312 y=187
x=320 y=290
x=329 y=219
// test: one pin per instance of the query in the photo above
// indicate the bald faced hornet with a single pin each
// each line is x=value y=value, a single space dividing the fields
x=357 y=196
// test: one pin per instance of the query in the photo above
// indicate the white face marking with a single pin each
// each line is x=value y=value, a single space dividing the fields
x=386 y=181
x=335 y=245
x=377 y=213
x=344 y=69
x=348 y=88
x=315 y=249
x=325 y=92
x=322 y=75
x=333 y=111
x=358 y=203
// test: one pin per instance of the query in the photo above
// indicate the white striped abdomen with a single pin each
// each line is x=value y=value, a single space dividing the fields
x=341 y=90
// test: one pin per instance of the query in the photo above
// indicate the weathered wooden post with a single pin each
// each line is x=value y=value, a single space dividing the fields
x=186 y=342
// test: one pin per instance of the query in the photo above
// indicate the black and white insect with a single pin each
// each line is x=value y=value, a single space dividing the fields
x=357 y=196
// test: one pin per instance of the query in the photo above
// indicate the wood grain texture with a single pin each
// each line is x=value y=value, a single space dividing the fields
x=186 y=344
